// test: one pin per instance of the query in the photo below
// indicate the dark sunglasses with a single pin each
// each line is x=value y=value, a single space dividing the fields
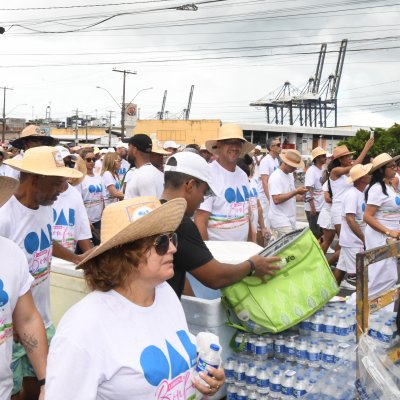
x=161 y=243
x=90 y=159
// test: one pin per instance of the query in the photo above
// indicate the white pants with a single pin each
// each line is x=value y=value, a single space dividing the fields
x=265 y=208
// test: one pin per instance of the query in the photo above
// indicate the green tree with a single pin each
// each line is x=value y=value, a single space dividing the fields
x=385 y=141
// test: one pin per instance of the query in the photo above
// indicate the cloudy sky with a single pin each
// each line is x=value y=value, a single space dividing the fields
x=54 y=53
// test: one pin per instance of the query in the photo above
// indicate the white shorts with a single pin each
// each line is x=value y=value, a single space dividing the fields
x=347 y=259
x=324 y=219
x=336 y=214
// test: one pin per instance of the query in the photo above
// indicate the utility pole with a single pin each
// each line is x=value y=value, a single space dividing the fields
x=86 y=127
x=123 y=99
x=110 y=129
x=76 y=127
x=3 y=132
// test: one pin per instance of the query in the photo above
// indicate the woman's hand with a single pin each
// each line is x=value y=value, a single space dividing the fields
x=394 y=234
x=214 y=382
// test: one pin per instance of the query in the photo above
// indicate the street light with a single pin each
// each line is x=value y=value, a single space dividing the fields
x=123 y=108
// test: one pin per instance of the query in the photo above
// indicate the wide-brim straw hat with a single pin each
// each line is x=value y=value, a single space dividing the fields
x=129 y=220
x=229 y=131
x=156 y=148
x=381 y=160
x=43 y=160
x=8 y=187
x=293 y=158
x=341 y=151
x=358 y=171
x=33 y=130
x=318 y=151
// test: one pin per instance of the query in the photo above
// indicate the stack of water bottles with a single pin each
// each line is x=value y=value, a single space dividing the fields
x=315 y=360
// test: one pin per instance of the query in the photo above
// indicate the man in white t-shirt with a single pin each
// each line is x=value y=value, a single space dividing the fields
x=267 y=166
x=315 y=197
x=352 y=240
x=145 y=179
x=283 y=194
x=27 y=220
x=18 y=313
x=226 y=217
x=258 y=156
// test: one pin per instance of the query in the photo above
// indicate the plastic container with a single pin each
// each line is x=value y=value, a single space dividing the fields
x=210 y=358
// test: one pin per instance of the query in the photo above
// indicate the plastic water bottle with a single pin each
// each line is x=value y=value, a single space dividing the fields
x=341 y=351
x=251 y=379
x=252 y=395
x=290 y=349
x=275 y=385
x=229 y=369
x=231 y=392
x=287 y=384
x=240 y=373
x=269 y=342
x=210 y=358
x=262 y=380
x=374 y=327
x=239 y=340
x=261 y=349
x=301 y=350
x=386 y=334
x=329 y=326
x=316 y=325
x=342 y=329
x=279 y=347
x=328 y=356
x=305 y=327
x=251 y=345
x=241 y=394
x=300 y=387
x=314 y=354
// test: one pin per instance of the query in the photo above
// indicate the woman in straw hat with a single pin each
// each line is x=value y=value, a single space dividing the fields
x=339 y=168
x=128 y=339
x=110 y=179
x=382 y=215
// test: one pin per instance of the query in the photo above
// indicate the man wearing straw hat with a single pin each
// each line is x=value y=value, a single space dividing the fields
x=27 y=220
x=18 y=313
x=352 y=240
x=313 y=181
x=226 y=217
x=157 y=155
x=283 y=194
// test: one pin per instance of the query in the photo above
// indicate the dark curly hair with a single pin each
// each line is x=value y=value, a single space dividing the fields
x=113 y=268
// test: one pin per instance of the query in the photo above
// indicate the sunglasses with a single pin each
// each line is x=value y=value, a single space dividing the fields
x=90 y=159
x=161 y=243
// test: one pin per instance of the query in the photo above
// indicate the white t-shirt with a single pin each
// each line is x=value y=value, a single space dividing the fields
x=354 y=204
x=71 y=222
x=146 y=180
x=388 y=213
x=91 y=189
x=108 y=179
x=31 y=230
x=15 y=281
x=6 y=170
x=229 y=214
x=257 y=160
x=267 y=166
x=283 y=214
x=108 y=348
x=98 y=165
x=125 y=166
x=313 y=179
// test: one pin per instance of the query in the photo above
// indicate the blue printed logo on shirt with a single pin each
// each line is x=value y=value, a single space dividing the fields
x=3 y=295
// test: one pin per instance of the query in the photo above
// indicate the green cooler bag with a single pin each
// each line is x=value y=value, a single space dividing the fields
x=302 y=286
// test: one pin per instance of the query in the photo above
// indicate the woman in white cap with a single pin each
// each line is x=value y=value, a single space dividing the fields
x=110 y=179
x=129 y=339
x=382 y=215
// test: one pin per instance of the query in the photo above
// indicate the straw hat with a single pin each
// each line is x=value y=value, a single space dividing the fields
x=229 y=131
x=318 y=151
x=381 y=160
x=293 y=158
x=43 y=160
x=33 y=130
x=132 y=219
x=80 y=165
x=358 y=171
x=156 y=148
x=340 y=151
x=8 y=186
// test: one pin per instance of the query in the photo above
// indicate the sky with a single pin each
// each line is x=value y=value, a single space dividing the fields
x=55 y=53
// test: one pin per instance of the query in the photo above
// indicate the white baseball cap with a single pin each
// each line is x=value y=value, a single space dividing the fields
x=65 y=153
x=191 y=164
x=171 y=144
x=258 y=147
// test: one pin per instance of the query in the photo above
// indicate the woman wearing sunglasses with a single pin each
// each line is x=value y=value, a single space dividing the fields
x=91 y=189
x=382 y=215
x=128 y=339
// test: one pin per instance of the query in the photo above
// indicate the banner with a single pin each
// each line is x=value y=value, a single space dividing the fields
x=130 y=114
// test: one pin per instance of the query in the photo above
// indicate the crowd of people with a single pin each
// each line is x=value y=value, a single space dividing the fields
x=135 y=219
